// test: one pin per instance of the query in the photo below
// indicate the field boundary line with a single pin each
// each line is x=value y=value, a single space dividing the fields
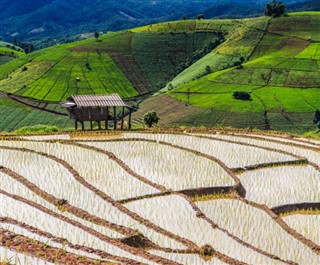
x=38 y=249
x=66 y=206
x=63 y=241
x=199 y=213
x=123 y=209
x=307 y=242
x=117 y=243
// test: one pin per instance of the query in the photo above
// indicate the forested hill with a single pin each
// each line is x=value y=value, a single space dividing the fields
x=34 y=20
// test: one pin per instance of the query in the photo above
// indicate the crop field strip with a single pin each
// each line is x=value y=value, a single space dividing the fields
x=297 y=74
x=99 y=240
x=104 y=197
x=44 y=252
x=312 y=164
x=280 y=70
x=113 y=141
x=51 y=83
x=56 y=242
x=48 y=201
x=10 y=257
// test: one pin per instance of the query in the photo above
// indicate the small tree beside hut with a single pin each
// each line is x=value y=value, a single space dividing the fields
x=151 y=118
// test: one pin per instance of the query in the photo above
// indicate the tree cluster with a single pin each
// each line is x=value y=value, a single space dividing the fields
x=27 y=47
x=275 y=9
x=316 y=119
x=243 y=95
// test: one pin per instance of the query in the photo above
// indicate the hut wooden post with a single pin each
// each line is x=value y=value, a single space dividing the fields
x=107 y=117
x=92 y=108
x=129 y=125
x=122 y=118
x=115 y=118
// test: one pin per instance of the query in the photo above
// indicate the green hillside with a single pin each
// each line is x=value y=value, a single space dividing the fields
x=9 y=52
x=281 y=74
x=192 y=61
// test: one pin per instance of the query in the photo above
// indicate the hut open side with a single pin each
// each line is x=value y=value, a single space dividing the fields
x=96 y=108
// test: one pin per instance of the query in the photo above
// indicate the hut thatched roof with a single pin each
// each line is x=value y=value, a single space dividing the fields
x=111 y=100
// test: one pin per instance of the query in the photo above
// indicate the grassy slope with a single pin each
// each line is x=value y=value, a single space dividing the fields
x=282 y=75
x=281 y=70
x=9 y=52
x=15 y=116
x=128 y=63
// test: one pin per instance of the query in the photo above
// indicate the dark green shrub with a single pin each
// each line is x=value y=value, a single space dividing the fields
x=275 y=9
x=242 y=95
x=151 y=118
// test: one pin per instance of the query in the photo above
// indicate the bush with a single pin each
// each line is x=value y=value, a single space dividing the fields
x=36 y=129
x=242 y=95
x=208 y=69
x=151 y=118
x=275 y=9
x=316 y=119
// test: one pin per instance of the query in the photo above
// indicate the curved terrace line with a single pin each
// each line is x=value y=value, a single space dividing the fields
x=313 y=246
x=199 y=213
x=69 y=208
x=38 y=249
x=89 y=250
x=290 y=209
x=238 y=186
x=170 y=145
x=244 y=135
x=108 y=199
x=117 y=243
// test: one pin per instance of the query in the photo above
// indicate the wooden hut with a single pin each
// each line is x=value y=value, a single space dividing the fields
x=96 y=108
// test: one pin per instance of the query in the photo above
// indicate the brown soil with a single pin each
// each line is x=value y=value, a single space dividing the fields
x=38 y=249
x=289 y=208
x=169 y=109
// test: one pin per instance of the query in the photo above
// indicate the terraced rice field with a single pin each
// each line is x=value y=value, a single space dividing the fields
x=218 y=197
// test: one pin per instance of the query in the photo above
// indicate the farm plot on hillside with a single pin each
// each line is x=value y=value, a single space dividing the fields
x=142 y=198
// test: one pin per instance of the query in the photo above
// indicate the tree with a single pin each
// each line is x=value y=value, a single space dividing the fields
x=200 y=16
x=243 y=95
x=275 y=9
x=208 y=69
x=316 y=119
x=97 y=35
x=151 y=118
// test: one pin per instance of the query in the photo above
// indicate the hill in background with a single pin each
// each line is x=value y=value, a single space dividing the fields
x=185 y=70
x=48 y=22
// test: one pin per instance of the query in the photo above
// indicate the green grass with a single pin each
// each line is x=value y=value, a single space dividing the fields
x=312 y=52
x=52 y=76
x=240 y=41
x=281 y=63
x=40 y=128
x=162 y=56
x=15 y=116
x=282 y=75
x=8 y=54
